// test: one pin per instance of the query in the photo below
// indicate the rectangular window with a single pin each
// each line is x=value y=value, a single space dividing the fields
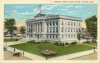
x=74 y=35
x=68 y=23
x=56 y=22
x=62 y=35
x=71 y=23
x=62 y=23
x=50 y=29
x=74 y=23
x=50 y=24
x=56 y=29
x=68 y=29
x=53 y=36
x=69 y=36
x=66 y=35
x=53 y=23
x=62 y=29
x=50 y=36
x=53 y=29
x=56 y=36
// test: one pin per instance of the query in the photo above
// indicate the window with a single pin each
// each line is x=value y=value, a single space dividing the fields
x=68 y=23
x=74 y=23
x=71 y=23
x=79 y=24
x=62 y=22
x=74 y=35
x=56 y=36
x=74 y=29
x=69 y=36
x=50 y=23
x=71 y=29
x=68 y=29
x=50 y=29
x=50 y=36
x=66 y=35
x=65 y=29
x=56 y=22
x=53 y=29
x=53 y=23
x=79 y=30
x=62 y=35
x=53 y=36
x=62 y=29
x=56 y=29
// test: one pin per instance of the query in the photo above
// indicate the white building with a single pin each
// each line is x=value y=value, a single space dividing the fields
x=53 y=28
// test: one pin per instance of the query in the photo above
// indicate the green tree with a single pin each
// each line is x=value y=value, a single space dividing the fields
x=22 y=30
x=79 y=36
x=91 y=23
x=10 y=26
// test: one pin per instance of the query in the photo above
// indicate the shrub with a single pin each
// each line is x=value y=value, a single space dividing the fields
x=74 y=43
x=67 y=43
x=56 y=43
x=45 y=41
x=60 y=44
x=31 y=41
x=13 y=39
x=95 y=42
x=63 y=44
x=87 y=42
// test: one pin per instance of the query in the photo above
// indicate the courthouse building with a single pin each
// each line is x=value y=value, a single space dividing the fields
x=53 y=27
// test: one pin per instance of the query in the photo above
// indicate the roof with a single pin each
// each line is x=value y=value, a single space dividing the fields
x=48 y=16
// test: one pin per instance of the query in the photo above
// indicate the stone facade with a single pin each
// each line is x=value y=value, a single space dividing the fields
x=53 y=28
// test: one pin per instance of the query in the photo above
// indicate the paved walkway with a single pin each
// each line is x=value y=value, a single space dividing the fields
x=92 y=56
x=13 y=43
x=9 y=56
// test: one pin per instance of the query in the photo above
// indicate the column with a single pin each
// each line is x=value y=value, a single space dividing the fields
x=27 y=30
x=41 y=26
x=44 y=27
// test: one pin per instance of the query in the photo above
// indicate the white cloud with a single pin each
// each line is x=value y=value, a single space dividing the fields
x=49 y=7
x=24 y=13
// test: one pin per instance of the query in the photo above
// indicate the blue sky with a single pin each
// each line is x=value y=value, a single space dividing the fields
x=21 y=12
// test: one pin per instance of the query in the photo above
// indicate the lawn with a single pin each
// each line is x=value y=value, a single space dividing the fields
x=92 y=44
x=60 y=50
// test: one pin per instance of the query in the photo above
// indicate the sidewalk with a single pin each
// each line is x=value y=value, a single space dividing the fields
x=92 y=56
x=9 y=56
x=71 y=56
x=13 y=43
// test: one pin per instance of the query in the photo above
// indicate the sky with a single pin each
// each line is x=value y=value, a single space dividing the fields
x=22 y=12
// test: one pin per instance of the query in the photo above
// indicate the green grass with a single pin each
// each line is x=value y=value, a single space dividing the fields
x=60 y=50
x=91 y=43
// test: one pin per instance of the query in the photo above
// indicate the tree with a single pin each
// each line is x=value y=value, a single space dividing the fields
x=79 y=36
x=22 y=30
x=10 y=26
x=91 y=23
